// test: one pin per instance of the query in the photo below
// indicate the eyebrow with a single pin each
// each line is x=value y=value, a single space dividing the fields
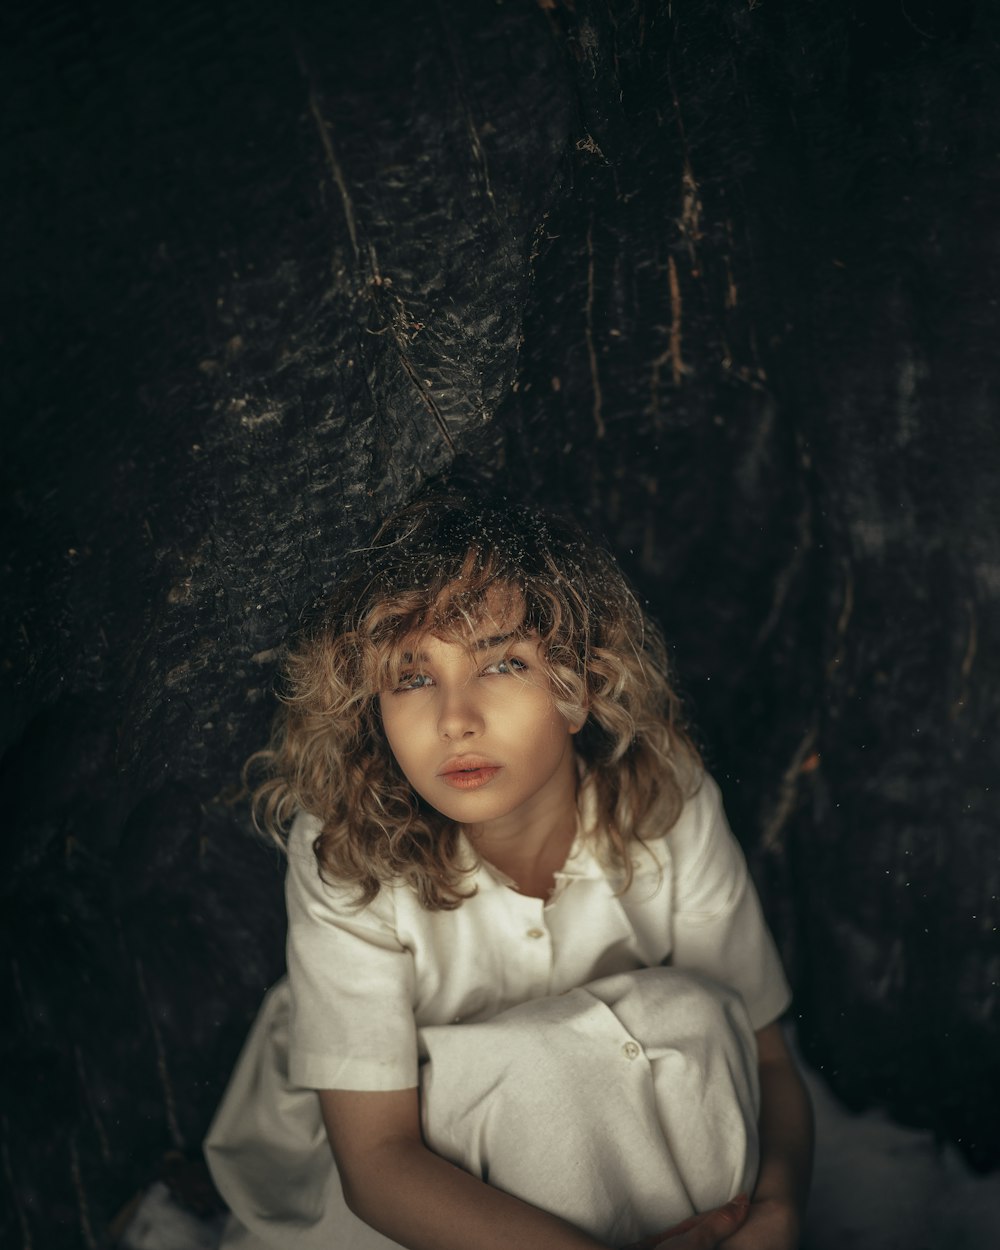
x=484 y=644
x=481 y=644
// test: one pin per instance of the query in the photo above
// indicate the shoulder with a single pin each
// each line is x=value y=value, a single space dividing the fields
x=303 y=833
x=710 y=869
x=701 y=818
x=702 y=815
x=698 y=851
x=311 y=894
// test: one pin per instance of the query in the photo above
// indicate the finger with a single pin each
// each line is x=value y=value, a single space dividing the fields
x=719 y=1224
x=684 y=1226
x=651 y=1242
x=703 y=1232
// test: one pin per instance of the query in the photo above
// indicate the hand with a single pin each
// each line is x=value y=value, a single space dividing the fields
x=699 y=1232
x=770 y=1225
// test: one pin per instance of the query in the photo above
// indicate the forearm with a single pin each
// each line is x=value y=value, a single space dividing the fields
x=786 y=1135
x=414 y=1197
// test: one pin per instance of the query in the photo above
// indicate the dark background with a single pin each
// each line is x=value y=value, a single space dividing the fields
x=720 y=276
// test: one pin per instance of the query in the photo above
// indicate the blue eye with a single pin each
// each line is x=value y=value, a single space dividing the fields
x=508 y=666
x=412 y=681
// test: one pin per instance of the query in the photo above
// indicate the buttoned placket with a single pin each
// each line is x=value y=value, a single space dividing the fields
x=529 y=945
x=533 y=946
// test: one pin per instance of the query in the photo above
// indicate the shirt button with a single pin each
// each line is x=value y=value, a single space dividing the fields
x=535 y=933
x=631 y=1050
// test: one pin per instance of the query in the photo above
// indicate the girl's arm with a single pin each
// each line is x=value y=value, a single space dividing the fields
x=777 y=1207
x=408 y=1193
x=393 y=1182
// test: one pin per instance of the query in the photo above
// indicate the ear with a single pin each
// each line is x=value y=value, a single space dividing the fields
x=575 y=728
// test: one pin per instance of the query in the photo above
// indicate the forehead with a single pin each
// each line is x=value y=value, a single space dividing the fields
x=474 y=620
x=468 y=612
x=423 y=646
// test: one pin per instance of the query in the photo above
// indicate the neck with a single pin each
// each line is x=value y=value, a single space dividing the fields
x=531 y=843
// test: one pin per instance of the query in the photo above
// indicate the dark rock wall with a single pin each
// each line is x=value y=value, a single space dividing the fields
x=719 y=276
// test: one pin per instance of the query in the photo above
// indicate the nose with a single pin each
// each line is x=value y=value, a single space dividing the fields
x=458 y=714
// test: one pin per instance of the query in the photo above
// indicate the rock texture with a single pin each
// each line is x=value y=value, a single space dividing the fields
x=720 y=277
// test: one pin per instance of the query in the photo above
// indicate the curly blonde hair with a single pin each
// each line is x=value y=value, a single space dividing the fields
x=438 y=566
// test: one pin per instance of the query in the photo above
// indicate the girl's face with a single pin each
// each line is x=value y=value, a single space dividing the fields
x=477 y=733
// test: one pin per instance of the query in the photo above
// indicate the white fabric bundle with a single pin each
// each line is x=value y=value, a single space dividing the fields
x=622 y=1106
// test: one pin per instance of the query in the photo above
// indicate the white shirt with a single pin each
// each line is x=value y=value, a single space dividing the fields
x=365 y=982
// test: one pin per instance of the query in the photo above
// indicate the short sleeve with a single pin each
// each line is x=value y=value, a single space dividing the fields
x=351 y=981
x=719 y=927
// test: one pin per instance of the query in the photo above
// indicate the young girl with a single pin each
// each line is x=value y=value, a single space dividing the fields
x=528 y=974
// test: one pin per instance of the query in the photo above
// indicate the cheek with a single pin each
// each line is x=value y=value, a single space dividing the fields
x=548 y=732
x=391 y=725
x=405 y=730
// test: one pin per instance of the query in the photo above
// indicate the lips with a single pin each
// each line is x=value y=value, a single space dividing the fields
x=468 y=772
